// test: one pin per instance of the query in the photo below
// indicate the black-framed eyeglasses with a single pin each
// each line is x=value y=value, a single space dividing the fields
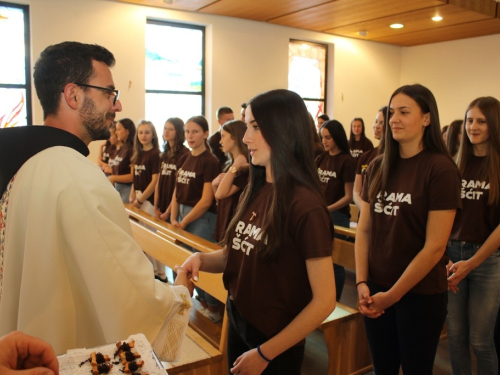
x=116 y=92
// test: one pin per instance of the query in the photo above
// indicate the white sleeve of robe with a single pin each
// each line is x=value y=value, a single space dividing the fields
x=72 y=273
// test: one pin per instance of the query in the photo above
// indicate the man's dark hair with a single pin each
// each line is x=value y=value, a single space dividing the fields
x=64 y=63
x=223 y=111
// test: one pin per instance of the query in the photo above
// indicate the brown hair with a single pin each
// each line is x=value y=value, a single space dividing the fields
x=490 y=108
x=237 y=129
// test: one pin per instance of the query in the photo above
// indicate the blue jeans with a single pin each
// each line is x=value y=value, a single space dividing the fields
x=342 y=220
x=472 y=312
x=203 y=227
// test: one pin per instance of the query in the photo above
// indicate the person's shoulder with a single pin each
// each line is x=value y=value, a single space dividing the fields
x=305 y=199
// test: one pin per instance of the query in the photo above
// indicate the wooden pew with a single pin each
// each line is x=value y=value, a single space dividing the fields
x=344 y=331
x=201 y=356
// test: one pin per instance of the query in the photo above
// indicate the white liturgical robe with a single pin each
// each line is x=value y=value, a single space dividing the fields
x=70 y=271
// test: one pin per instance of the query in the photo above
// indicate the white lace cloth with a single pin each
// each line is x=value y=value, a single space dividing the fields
x=68 y=364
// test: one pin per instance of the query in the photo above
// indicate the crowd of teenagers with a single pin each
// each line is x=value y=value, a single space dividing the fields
x=268 y=188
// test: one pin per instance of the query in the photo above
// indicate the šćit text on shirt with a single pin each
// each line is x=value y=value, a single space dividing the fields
x=184 y=176
x=325 y=175
x=244 y=234
x=389 y=204
x=167 y=168
x=138 y=169
x=471 y=189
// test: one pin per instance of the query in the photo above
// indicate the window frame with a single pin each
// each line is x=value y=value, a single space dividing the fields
x=27 y=61
x=203 y=62
x=325 y=46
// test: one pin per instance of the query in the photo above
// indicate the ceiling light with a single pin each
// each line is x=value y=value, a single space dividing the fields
x=437 y=18
x=397 y=26
x=363 y=33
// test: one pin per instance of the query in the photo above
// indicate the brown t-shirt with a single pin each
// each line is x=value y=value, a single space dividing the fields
x=360 y=146
x=146 y=165
x=108 y=151
x=214 y=143
x=192 y=175
x=270 y=294
x=475 y=222
x=364 y=161
x=168 y=173
x=334 y=172
x=227 y=206
x=425 y=182
x=120 y=163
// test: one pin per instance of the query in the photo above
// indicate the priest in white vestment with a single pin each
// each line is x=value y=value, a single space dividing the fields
x=70 y=271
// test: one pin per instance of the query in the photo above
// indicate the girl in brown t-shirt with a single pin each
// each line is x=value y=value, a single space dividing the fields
x=410 y=199
x=358 y=143
x=277 y=257
x=229 y=185
x=367 y=157
x=120 y=174
x=193 y=203
x=336 y=169
x=474 y=296
x=108 y=150
x=145 y=166
x=171 y=160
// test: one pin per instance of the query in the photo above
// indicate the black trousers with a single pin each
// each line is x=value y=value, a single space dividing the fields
x=407 y=334
x=242 y=337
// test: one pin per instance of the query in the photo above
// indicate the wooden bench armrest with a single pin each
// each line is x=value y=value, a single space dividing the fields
x=169 y=231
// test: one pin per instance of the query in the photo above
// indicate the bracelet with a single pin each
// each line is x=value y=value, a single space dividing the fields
x=262 y=355
x=361 y=282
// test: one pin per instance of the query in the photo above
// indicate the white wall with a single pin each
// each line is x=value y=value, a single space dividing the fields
x=244 y=58
x=456 y=72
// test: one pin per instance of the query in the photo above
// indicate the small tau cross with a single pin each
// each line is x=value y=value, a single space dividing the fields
x=185 y=305
x=254 y=215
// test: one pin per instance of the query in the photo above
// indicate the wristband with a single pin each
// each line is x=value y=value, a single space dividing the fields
x=361 y=282
x=262 y=355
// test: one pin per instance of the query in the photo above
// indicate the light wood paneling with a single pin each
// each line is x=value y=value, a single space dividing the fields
x=345 y=12
x=260 y=10
x=413 y=21
x=467 y=30
x=461 y=18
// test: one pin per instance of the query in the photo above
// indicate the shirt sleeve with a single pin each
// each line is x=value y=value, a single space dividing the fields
x=444 y=187
x=348 y=170
x=212 y=169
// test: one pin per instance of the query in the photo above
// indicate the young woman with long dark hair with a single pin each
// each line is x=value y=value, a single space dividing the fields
x=145 y=169
x=358 y=143
x=121 y=175
x=410 y=198
x=474 y=296
x=193 y=204
x=277 y=256
x=336 y=168
x=170 y=161
x=229 y=185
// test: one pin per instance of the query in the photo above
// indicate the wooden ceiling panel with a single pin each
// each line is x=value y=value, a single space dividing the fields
x=345 y=12
x=413 y=21
x=188 y=5
x=443 y=34
x=259 y=10
x=461 y=18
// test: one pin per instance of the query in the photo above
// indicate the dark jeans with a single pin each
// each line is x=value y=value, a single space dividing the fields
x=407 y=334
x=497 y=338
x=242 y=337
